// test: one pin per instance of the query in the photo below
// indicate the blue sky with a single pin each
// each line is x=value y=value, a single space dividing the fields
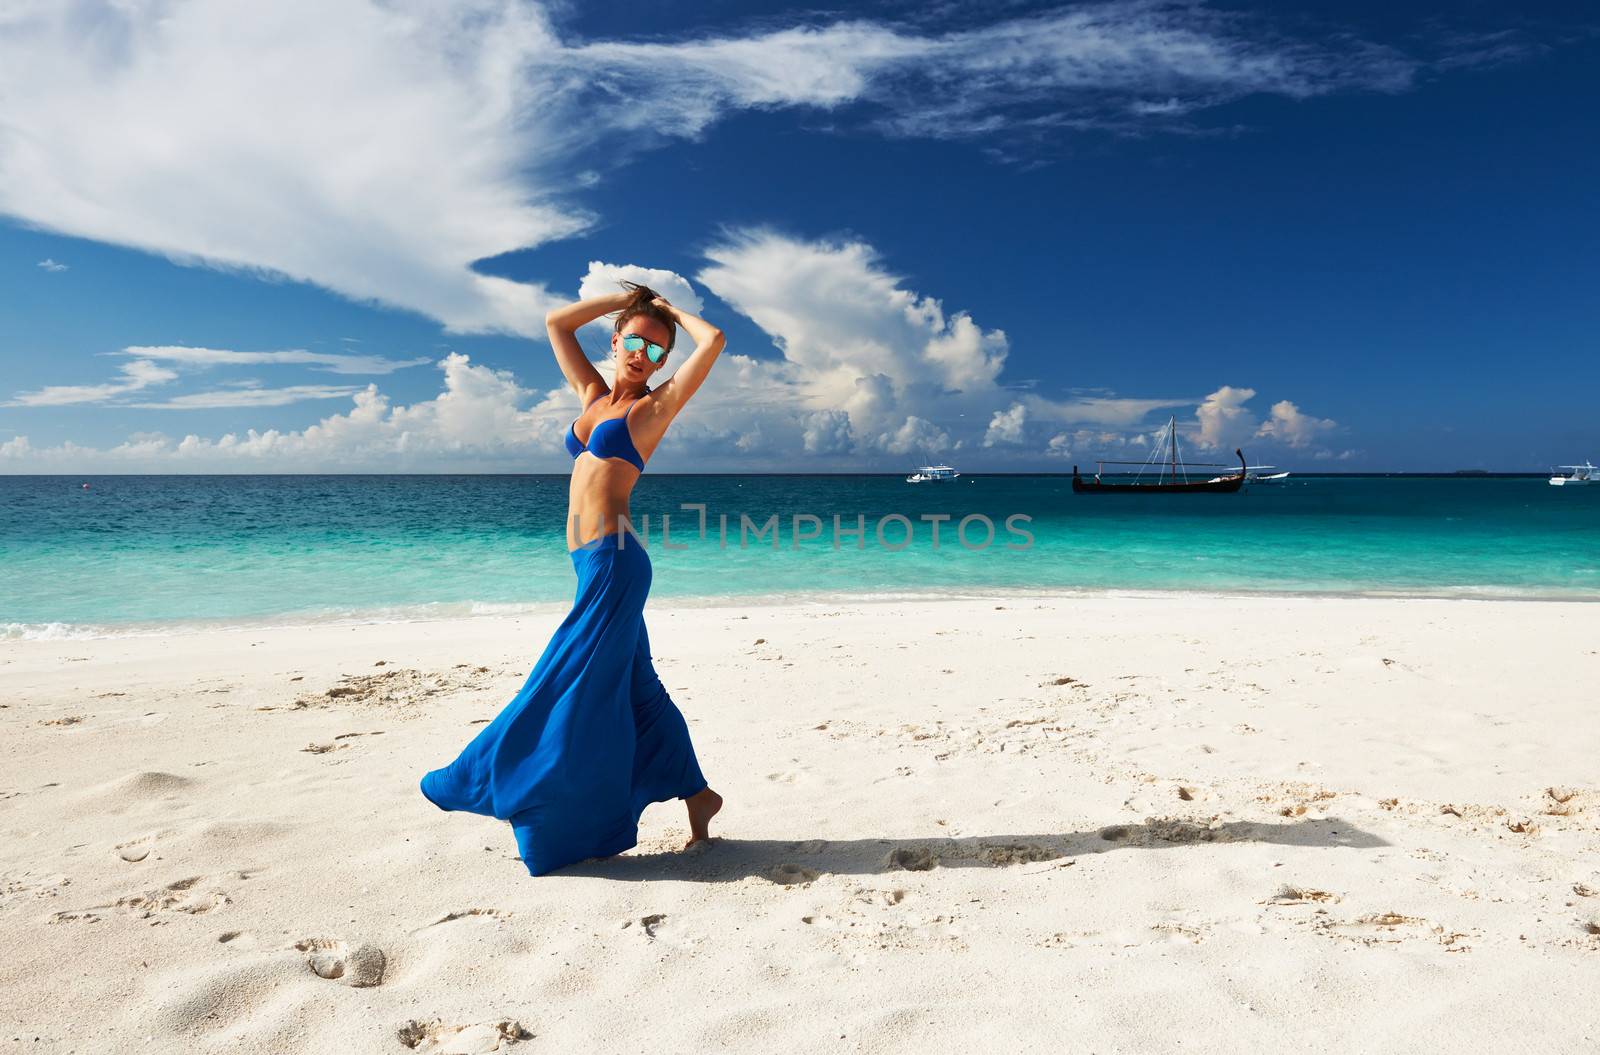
x=1347 y=236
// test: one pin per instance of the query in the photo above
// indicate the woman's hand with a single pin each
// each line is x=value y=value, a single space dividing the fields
x=572 y=317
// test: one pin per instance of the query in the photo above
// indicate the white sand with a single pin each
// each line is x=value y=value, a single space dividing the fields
x=1309 y=825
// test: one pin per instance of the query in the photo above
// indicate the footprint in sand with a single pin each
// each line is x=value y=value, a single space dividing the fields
x=1166 y=830
x=1181 y=933
x=650 y=924
x=151 y=784
x=910 y=858
x=135 y=850
x=134 y=792
x=184 y=895
x=435 y=1038
x=467 y=913
x=809 y=846
x=1392 y=928
x=880 y=918
x=1561 y=802
x=239 y=939
x=1298 y=895
x=181 y=896
x=886 y=898
x=405 y=690
x=788 y=874
x=1002 y=854
x=335 y=959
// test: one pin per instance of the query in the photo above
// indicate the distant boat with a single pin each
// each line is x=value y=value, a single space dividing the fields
x=930 y=473
x=1586 y=473
x=1257 y=474
x=1169 y=473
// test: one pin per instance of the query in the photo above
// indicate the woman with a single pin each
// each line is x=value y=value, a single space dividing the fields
x=593 y=738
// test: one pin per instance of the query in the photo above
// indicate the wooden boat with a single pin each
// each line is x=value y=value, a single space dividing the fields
x=1171 y=474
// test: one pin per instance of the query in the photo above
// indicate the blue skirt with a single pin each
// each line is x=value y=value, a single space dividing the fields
x=592 y=738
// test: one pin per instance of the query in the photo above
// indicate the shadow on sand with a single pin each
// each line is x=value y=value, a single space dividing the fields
x=783 y=861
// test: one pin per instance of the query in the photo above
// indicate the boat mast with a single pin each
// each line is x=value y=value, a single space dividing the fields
x=1172 y=438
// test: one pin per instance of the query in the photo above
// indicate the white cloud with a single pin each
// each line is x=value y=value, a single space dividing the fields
x=868 y=375
x=828 y=432
x=144 y=371
x=250 y=396
x=851 y=335
x=391 y=157
x=916 y=436
x=1101 y=442
x=1006 y=425
x=1295 y=428
x=332 y=362
x=1125 y=412
x=52 y=266
x=603 y=278
x=891 y=371
x=1224 y=421
x=380 y=149
x=477 y=421
x=1121 y=64
x=136 y=375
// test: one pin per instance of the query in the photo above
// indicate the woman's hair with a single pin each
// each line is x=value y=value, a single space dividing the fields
x=641 y=303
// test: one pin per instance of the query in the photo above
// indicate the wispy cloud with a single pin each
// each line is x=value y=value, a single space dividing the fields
x=137 y=375
x=418 y=138
x=252 y=397
x=52 y=266
x=145 y=371
x=332 y=362
x=1101 y=65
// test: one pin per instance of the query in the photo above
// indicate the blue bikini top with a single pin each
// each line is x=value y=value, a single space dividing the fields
x=609 y=439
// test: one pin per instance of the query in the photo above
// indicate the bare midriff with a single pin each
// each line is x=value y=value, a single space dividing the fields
x=597 y=500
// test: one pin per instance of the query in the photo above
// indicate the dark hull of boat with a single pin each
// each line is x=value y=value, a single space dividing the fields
x=1201 y=487
x=1225 y=485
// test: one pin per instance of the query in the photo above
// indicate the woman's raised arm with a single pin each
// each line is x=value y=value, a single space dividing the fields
x=562 y=327
x=688 y=378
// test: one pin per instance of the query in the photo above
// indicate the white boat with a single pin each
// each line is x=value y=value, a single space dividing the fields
x=1586 y=473
x=1256 y=474
x=930 y=473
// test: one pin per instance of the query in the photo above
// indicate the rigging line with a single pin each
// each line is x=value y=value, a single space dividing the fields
x=1153 y=458
x=1177 y=457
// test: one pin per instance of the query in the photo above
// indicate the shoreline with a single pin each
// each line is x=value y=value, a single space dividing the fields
x=16 y=632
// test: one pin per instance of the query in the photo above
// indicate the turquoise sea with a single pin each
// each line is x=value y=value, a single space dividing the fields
x=137 y=552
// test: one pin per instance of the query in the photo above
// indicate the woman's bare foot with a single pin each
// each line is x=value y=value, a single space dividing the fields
x=703 y=805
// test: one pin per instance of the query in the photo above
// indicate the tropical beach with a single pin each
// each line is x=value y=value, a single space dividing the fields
x=1064 y=525
x=1114 y=823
